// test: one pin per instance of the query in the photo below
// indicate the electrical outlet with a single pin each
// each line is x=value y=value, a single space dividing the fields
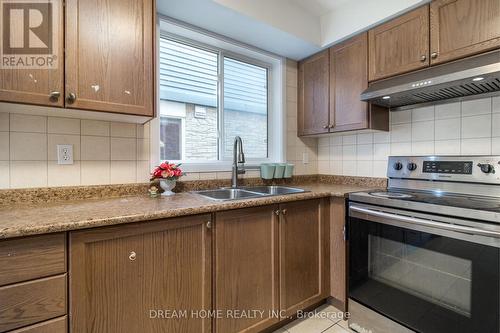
x=64 y=154
x=305 y=158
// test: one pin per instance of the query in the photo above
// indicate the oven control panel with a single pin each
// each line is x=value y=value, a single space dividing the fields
x=451 y=167
x=477 y=169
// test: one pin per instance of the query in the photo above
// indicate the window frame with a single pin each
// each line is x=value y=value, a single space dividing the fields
x=275 y=92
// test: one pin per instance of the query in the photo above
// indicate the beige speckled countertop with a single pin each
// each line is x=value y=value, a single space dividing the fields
x=33 y=219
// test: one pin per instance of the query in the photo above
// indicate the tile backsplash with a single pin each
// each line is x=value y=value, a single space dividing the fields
x=104 y=152
x=462 y=128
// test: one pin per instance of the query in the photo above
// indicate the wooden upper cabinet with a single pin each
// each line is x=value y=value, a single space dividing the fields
x=109 y=55
x=313 y=95
x=348 y=79
x=38 y=86
x=400 y=45
x=304 y=259
x=122 y=277
x=246 y=268
x=460 y=28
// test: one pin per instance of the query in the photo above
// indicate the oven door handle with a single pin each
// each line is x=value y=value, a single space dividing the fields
x=404 y=221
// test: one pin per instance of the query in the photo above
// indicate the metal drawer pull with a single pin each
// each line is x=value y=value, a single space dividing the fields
x=277 y=212
x=423 y=58
x=132 y=256
x=209 y=225
x=426 y=223
x=284 y=211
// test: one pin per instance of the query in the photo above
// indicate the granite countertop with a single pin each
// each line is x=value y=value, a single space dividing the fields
x=33 y=219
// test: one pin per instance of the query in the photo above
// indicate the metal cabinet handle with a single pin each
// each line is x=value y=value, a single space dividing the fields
x=277 y=212
x=209 y=225
x=71 y=98
x=331 y=126
x=54 y=96
x=434 y=55
x=423 y=58
x=132 y=256
x=284 y=211
x=326 y=126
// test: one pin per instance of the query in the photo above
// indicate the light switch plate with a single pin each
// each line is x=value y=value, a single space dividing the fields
x=64 y=154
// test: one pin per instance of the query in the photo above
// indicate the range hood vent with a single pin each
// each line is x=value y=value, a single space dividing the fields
x=471 y=78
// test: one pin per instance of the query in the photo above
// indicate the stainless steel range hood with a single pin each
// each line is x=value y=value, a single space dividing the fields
x=470 y=78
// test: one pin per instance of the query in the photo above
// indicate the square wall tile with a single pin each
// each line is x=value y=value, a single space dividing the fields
x=143 y=149
x=4 y=146
x=95 y=172
x=400 y=117
x=4 y=174
x=4 y=121
x=381 y=151
x=365 y=169
x=336 y=167
x=379 y=169
x=496 y=104
x=401 y=148
x=447 y=129
x=349 y=139
x=208 y=175
x=495 y=122
x=144 y=172
x=349 y=153
x=422 y=148
x=336 y=140
x=451 y=110
x=144 y=131
x=291 y=94
x=336 y=153
x=95 y=127
x=123 y=149
x=24 y=174
x=324 y=141
x=323 y=153
x=422 y=131
x=382 y=137
x=123 y=130
x=495 y=146
x=476 y=127
x=123 y=172
x=323 y=167
x=365 y=152
x=28 y=123
x=63 y=139
x=63 y=175
x=476 y=107
x=349 y=168
x=447 y=147
x=57 y=125
x=423 y=114
x=28 y=146
x=95 y=148
x=365 y=138
x=291 y=109
x=480 y=146
x=401 y=133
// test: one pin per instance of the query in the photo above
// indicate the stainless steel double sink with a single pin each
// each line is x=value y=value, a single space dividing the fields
x=225 y=194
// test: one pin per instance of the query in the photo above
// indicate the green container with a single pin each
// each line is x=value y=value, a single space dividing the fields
x=267 y=171
x=279 y=172
x=288 y=171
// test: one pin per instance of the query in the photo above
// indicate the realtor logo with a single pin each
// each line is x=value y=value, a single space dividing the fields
x=29 y=31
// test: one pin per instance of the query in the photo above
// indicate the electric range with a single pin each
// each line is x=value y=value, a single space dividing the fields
x=424 y=254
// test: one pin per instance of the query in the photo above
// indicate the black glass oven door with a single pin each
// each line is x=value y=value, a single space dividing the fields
x=426 y=281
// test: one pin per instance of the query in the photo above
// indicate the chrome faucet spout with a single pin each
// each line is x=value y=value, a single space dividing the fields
x=238 y=158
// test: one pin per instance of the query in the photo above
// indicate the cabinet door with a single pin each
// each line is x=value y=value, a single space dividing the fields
x=313 y=95
x=400 y=45
x=109 y=55
x=38 y=86
x=338 y=252
x=127 y=278
x=348 y=79
x=246 y=272
x=303 y=255
x=463 y=27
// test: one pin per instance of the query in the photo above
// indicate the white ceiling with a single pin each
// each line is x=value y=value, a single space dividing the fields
x=320 y=7
x=291 y=28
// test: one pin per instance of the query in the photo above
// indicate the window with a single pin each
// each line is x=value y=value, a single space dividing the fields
x=207 y=97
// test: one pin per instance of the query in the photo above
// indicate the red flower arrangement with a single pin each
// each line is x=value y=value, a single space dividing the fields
x=167 y=171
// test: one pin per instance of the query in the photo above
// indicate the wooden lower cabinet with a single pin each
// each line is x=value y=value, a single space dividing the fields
x=303 y=254
x=246 y=268
x=127 y=278
x=338 y=252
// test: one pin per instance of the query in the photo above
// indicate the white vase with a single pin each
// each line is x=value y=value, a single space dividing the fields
x=167 y=185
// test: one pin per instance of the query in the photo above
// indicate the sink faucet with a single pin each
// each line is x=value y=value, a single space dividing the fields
x=238 y=157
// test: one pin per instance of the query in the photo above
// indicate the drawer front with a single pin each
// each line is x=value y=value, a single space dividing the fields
x=58 y=325
x=31 y=302
x=31 y=258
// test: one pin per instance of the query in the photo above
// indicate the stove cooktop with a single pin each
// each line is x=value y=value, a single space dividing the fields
x=451 y=200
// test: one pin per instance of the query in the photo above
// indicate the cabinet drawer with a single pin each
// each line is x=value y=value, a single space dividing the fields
x=58 y=325
x=31 y=302
x=31 y=258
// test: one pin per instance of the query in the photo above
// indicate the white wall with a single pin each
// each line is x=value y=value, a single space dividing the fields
x=354 y=16
x=467 y=128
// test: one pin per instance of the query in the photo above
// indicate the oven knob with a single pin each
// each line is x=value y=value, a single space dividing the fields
x=412 y=166
x=486 y=168
x=398 y=166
